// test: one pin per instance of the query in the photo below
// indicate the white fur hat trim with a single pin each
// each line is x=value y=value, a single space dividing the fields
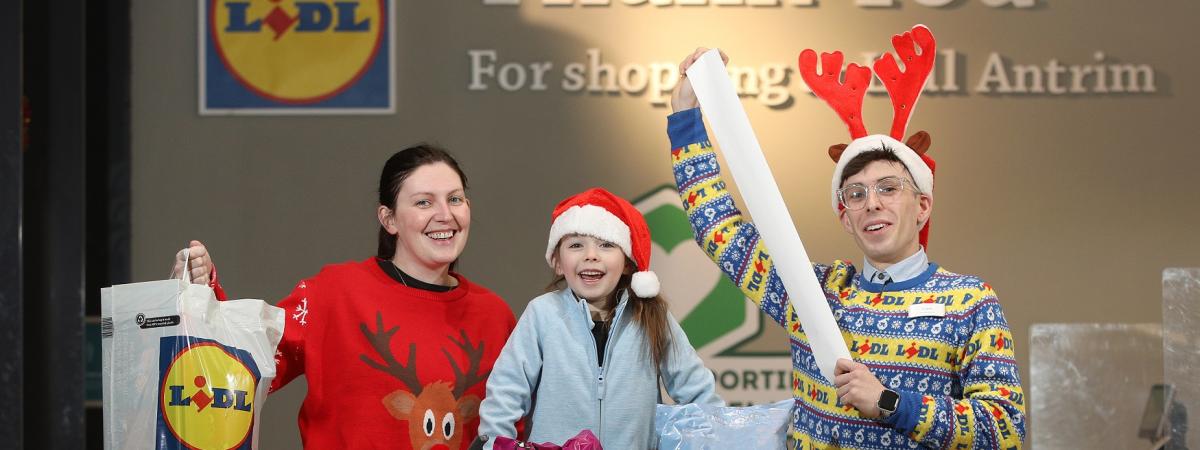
x=588 y=220
x=922 y=176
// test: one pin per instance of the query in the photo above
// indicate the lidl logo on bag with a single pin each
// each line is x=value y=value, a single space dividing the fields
x=290 y=56
x=206 y=399
x=751 y=362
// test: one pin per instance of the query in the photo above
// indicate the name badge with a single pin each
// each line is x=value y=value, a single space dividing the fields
x=927 y=310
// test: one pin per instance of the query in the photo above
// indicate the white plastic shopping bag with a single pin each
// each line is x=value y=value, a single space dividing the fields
x=183 y=370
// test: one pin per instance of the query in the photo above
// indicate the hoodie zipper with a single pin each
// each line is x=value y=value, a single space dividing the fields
x=600 y=387
x=600 y=376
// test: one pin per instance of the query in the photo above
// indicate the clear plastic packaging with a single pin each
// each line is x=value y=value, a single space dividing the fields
x=697 y=427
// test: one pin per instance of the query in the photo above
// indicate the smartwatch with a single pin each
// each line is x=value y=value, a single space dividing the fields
x=889 y=400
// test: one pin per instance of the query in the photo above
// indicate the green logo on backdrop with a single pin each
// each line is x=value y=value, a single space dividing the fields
x=711 y=309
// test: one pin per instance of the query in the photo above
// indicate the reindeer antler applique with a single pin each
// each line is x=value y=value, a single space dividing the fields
x=381 y=341
x=464 y=380
x=904 y=88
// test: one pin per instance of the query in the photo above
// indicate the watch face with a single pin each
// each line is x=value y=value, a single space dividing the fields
x=889 y=400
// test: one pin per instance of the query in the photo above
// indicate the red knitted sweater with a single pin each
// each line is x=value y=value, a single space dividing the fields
x=389 y=366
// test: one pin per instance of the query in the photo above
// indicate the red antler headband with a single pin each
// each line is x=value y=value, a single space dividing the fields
x=904 y=88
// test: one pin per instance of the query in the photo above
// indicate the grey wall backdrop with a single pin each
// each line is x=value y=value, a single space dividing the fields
x=1070 y=205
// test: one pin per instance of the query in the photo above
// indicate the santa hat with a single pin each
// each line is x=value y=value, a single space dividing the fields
x=600 y=214
x=904 y=88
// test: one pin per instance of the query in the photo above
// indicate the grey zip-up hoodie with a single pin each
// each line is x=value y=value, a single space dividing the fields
x=550 y=367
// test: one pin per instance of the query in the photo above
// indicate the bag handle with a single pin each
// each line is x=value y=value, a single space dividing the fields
x=184 y=273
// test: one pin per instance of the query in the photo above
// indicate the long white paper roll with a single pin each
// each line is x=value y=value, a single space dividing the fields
x=752 y=175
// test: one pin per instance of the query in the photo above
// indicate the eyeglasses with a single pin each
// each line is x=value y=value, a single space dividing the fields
x=854 y=197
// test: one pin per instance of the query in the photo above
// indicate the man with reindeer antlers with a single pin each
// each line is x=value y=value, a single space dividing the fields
x=933 y=357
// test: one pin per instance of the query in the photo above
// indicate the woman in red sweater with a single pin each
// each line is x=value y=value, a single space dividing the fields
x=395 y=348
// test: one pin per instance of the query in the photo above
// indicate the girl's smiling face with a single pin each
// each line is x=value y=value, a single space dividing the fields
x=591 y=266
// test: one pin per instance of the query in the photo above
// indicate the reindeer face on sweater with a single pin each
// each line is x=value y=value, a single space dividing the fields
x=438 y=412
x=436 y=417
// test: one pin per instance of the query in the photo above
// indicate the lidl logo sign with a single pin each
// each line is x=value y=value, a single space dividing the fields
x=296 y=56
x=206 y=395
x=748 y=356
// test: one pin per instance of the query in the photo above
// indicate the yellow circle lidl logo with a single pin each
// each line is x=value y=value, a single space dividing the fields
x=280 y=53
x=206 y=400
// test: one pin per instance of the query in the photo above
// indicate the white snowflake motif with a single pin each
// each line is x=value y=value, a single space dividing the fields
x=990 y=371
x=924 y=326
x=937 y=385
x=882 y=324
x=847 y=318
x=938 y=328
x=909 y=383
x=302 y=312
x=1003 y=371
x=923 y=385
x=871 y=437
x=908 y=327
x=975 y=370
x=870 y=321
x=883 y=379
x=896 y=325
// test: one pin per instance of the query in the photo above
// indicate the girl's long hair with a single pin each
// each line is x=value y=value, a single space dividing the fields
x=650 y=314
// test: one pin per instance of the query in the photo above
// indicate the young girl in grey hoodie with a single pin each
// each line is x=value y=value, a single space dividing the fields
x=589 y=357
